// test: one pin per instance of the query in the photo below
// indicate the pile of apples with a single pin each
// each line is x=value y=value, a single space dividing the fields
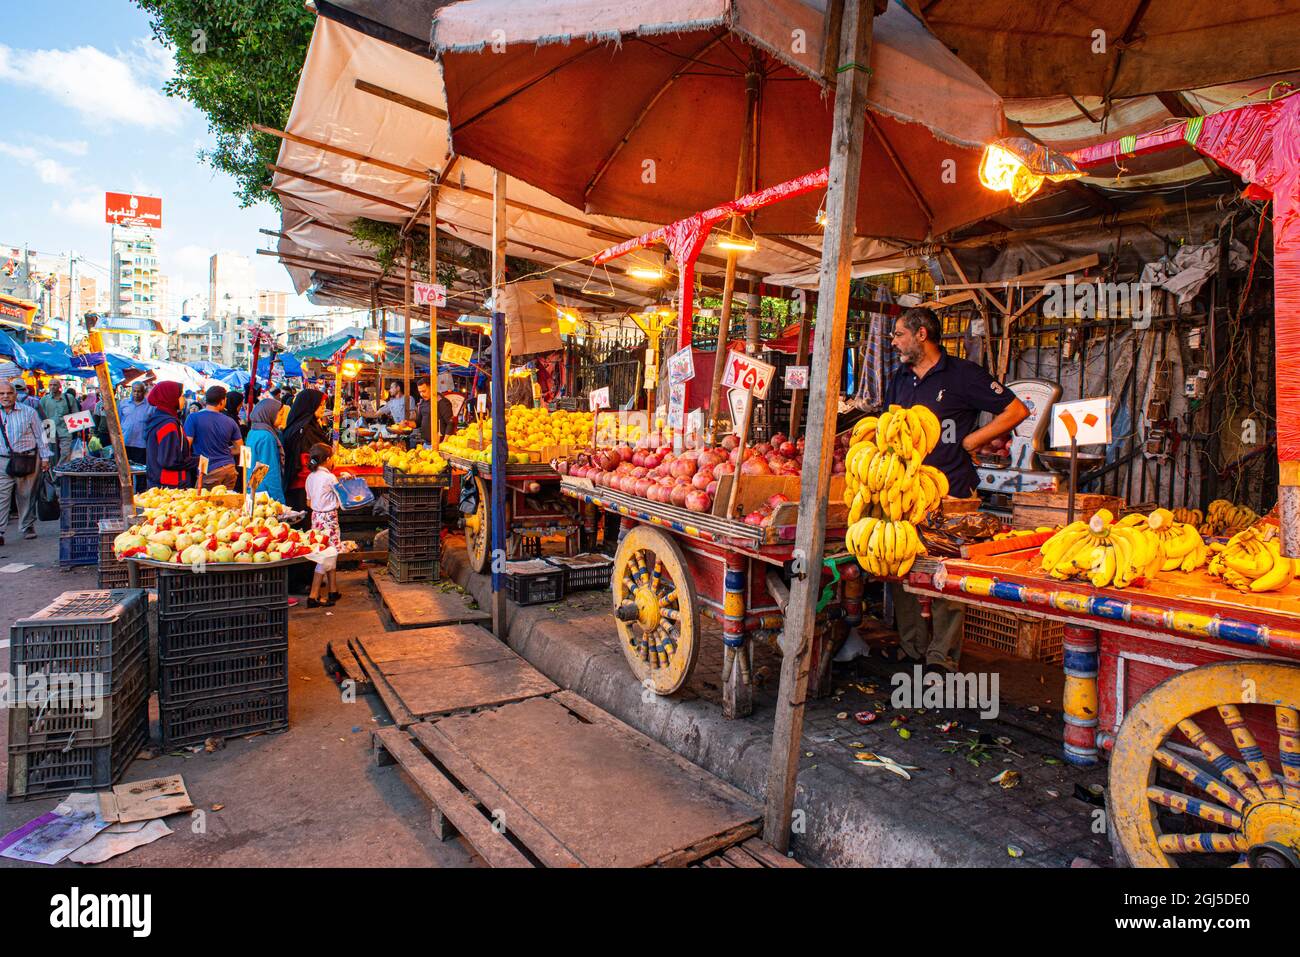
x=226 y=537
x=690 y=480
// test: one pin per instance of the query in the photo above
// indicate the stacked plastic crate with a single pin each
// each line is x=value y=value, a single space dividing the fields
x=113 y=571
x=80 y=692
x=85 y=499
x=223 y=652
x=414 y=525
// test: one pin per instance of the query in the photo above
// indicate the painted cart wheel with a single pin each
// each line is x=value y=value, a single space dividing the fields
x=656 y=609
x=1177 y=798
x=478 y=531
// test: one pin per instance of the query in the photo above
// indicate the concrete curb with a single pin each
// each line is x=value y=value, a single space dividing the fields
x=842 y=826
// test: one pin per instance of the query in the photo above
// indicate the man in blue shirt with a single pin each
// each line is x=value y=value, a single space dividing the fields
x=217 y=438
x=132 y=414
x=956 y=391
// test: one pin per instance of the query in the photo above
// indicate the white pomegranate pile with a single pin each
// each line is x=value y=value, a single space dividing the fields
x=690 y=480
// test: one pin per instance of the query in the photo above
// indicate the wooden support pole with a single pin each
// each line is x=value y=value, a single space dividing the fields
x=499 y=450
x=833 y=295
x=435 y=436
x=744 y=184
x=125 y=482
x=406 y=336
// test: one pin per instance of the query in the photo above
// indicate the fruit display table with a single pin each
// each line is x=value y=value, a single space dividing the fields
x=1174 y=678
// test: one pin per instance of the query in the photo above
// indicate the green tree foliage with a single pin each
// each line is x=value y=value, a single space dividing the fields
x=238 y=61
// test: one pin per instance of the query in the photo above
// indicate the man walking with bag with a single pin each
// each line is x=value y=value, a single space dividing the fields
x=23 y=454
x=54 y=405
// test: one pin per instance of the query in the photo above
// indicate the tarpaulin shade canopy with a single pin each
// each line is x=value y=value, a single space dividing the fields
x=1116 y=48
x=1260 y=143
x=638 y=109
x=326 y=348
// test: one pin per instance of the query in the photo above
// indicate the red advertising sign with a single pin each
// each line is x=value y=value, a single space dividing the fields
x=128 y=209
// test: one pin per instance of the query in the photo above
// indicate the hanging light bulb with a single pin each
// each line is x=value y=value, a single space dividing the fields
x=1019 y=166
x=821 y=213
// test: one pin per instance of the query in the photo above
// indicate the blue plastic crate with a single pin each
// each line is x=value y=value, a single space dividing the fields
x=78 y=548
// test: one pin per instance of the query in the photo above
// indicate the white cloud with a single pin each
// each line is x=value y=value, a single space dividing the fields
x=50 y=171
x=107 y=90
x=71 y=147
x=84 y=210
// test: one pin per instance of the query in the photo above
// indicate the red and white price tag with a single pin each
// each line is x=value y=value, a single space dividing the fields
x=599 y=398
x=430 y=294
x=746 y=372
x=76 y=421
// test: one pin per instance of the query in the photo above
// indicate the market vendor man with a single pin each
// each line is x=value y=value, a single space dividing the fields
x=956 y=391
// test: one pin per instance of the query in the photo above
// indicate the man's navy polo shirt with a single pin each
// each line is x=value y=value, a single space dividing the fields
x=957 y=391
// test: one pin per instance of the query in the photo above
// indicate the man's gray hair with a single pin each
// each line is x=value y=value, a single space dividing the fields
x=918 y=318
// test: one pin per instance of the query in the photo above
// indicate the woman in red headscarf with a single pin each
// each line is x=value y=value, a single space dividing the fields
x=168 y=454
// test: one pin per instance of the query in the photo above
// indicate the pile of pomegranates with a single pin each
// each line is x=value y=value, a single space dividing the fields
x=690 y=480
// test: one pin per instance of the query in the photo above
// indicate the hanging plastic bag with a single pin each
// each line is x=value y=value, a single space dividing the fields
x=47 y=498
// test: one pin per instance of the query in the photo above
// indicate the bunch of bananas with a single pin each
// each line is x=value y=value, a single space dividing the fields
x=1189 y=516
x=884 y=474
x=1023 y=532
x=888 y=489
x=883 y=547
x=1184 y=548
x=1225 y=518
x=1103 y=552
x=1252 y=561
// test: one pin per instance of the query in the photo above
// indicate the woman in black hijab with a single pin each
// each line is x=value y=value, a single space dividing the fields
x=301 y=432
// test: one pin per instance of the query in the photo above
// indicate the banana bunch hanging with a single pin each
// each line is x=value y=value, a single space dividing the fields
x=1103 y=552
x=889 y=490
x=1184 y=548
x=1252 y=561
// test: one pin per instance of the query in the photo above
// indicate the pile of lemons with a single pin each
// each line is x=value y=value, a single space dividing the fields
x=417 y=461
x=527 y=431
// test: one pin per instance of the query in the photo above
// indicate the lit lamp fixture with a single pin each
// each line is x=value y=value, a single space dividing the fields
x=1019 y=166
x=523 y=372
x=646 y=273
x=568 y=322
x=738 y=242
x=370 y=341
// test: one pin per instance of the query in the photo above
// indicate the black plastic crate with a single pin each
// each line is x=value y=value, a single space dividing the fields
x=396 y=478
x=227 y=716
x=234 y=629
x=36 y=727
x=402 y=570
x=195 y=677
x=182 y=591
x=584 y=572
x=426 y=517
x=114 y=572
x=42 y=772
x=84 y=632
x=84 y=517
x=533 y=582
x=88 y=487
x=78 y=548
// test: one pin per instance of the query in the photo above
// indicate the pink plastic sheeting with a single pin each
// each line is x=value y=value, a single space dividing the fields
x=685 y=238
x=1261 y=144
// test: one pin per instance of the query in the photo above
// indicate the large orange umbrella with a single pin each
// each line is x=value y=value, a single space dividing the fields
x=639 y=109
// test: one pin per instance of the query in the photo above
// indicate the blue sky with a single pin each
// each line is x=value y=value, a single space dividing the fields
x=80 y=82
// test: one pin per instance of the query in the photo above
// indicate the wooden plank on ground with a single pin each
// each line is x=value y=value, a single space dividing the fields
x=527 y=829
x=428 y=692
x=447 y=647
x=400 y=714
x=760 y=850
x=422 y=604
x=455 y=806
x=609 y=794
x=739 y=858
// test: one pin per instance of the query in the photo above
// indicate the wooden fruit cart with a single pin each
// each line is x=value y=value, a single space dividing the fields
x=535 y=509
x=1192 y=687
x=674 y=565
